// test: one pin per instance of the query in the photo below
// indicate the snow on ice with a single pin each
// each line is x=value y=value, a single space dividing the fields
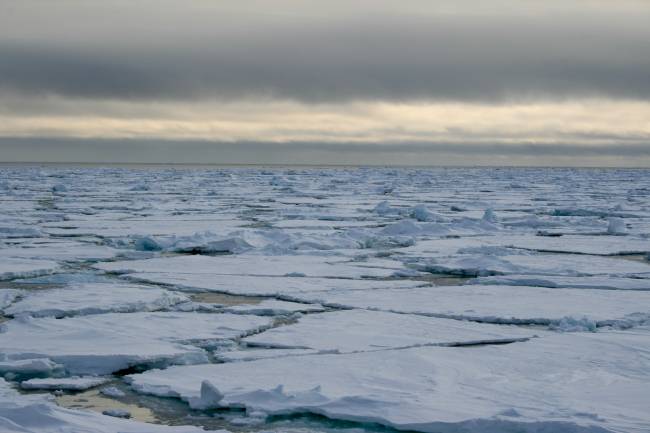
x=504 y=388
x=105 y=343
x=93 y=299
x=500 y=304
x=474 y=300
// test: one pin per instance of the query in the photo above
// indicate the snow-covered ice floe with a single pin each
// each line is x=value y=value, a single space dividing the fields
x=248 y=285
x=274 y=307
x=94 y=298
x=256 y=265
x=543 y=384
x=580 y=244
x=253 y=354
x=15 y=267
x=501 y=304
x=66 y=251
x=540 y=264
x=75 y=383
x=29 y=367
x=603 y=245
x=362 y=330
x=105 y=343
x=558 y=281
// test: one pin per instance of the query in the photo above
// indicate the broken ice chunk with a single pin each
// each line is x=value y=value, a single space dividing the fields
x=13 y=267
x=69 y=383
x=117 y=413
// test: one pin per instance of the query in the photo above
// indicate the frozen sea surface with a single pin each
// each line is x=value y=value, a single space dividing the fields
x=324 y=300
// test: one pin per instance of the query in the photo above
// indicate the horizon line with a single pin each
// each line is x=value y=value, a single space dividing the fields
x=277 y=165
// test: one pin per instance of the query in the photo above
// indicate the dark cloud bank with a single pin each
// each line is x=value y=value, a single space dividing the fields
x=461 y=56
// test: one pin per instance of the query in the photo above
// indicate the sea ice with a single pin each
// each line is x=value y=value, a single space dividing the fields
x=558 y=281
x=198 y=243
x=94 y=298
x=259 y=265
x=303 y=236
x=9 y=232
x=540 y=264
x=62 y=251
x=13 y=267
x=117 y=413
x=273 y=307
x=576 y=244
x=125 y=228
x=105 y=343
x=253 y=354
x=579 y=244
x=248 y=285
x=498 y=304
x=362 y=330
x=616 y=226
x=543 y=384
x=8 y=297
x=29 y=367
x=112 y=391
x=75 y=383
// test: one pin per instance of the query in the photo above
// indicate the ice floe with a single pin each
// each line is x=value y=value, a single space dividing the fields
x=198 y=243
x=13 y=267
x=75 y=383
x=517 y=244
x=63 y=251
x=253 y=354
x=580 y=244
x=500 y=304
x=540 y=264
x=263 y=286
x=533 y=386
x=558 y=281
x=19 y=232
x=94 y=298
x=112 y=391
x=105 y=343
x=274 y=307
x=29 y=367
x=362 y=330
x=309 y=266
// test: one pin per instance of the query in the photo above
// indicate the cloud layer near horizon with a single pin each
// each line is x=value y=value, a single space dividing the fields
x=377 y=72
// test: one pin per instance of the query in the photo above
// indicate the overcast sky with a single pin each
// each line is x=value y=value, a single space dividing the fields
x=326 y=82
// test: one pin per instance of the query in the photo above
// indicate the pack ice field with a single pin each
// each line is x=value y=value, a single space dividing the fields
x=487 y=300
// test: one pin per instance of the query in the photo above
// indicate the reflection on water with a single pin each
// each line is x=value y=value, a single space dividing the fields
x=93 y=400
x=643 y=258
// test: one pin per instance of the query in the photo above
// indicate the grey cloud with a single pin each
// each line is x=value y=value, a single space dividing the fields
x=460 y=56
